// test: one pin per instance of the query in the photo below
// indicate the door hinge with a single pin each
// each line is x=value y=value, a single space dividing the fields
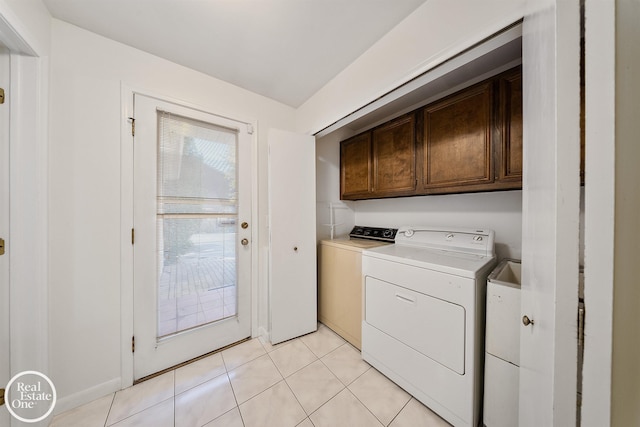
x=133 y=344
x=133 y=236
x=1 y=96
x=1 y=246
x=133 y=126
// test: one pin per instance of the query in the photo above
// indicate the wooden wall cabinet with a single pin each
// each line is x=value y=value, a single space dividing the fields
x=469 y=141
x=355 y=167
x=457 y=150
x=394 y=157
x=509 y=144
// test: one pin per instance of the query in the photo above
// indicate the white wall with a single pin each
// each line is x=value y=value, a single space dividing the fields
x=328 y=188
x=435 y=32
x=85 y=229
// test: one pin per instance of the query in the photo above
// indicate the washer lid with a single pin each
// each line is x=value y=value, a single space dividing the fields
x=457 y=263
x=353 y=244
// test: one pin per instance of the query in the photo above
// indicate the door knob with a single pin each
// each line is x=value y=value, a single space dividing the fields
x=244 y=225
x=526 y=321
x=244 y=242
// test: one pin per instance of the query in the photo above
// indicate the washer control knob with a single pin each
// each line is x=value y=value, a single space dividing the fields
x=477 y=238
x=408 y=232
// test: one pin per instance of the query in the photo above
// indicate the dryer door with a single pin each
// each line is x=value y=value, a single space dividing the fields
x=432 y=326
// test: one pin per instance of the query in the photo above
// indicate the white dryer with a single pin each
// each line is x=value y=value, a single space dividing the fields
x=423 y=323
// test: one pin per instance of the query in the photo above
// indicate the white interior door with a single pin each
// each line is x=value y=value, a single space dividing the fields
x=192 y=250
x=550 y=215
x=292 y=235
x=5 y=371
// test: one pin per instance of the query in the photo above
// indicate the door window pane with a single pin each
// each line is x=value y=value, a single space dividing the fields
x=196 y=223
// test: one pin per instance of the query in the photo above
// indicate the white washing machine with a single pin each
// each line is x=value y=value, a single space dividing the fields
x=423 y=323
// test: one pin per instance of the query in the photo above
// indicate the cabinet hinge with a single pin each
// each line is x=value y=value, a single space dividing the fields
x=133 y=126
x=133 y=344
x=133 y=236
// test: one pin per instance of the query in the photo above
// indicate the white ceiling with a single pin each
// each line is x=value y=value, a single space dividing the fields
x=283 y=49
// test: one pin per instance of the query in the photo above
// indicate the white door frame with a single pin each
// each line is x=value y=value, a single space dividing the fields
x=5 y=354
x=550 y=214
x=27 y=244
x=126 y=218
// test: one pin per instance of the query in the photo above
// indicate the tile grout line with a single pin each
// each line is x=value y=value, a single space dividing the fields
x=368 y=409
x=365 y=406
x=317 y=359
x=113 y=398
x=234 y=398
x=346 y=387
x=145 y=409
x=400 y=411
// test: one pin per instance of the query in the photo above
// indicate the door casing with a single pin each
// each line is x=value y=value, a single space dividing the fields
x=27 y=98
x=5 y=350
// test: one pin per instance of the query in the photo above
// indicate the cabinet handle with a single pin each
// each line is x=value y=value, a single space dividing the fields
x=405 y=299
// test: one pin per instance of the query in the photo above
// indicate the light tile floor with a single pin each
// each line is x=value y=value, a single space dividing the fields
x=313 y=381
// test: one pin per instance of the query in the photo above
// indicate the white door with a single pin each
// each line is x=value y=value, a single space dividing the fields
x=192 y=250
x=292 y=235
x=551 y=187
x=4 y=231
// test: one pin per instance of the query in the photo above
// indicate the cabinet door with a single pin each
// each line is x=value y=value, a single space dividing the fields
x=457 y=142
x=394 y=157
x=509 y=151
x=355 y=167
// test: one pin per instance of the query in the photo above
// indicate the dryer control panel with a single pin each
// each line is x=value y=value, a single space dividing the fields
x=466 y=240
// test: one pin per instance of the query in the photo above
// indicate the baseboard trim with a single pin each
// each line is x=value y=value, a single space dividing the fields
x=262 y=332
x=88 y=395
